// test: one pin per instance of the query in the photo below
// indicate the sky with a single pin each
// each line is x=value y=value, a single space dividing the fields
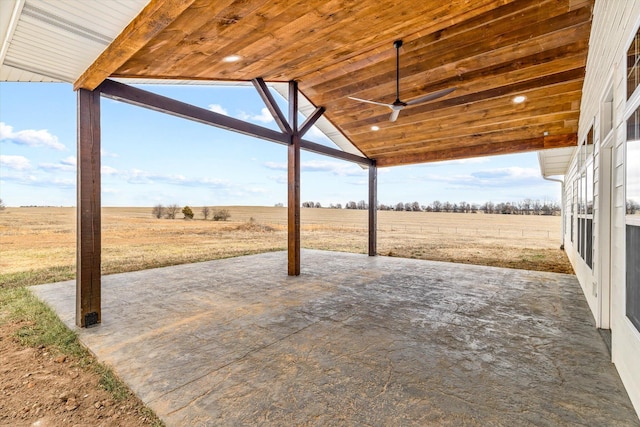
x=151 y=158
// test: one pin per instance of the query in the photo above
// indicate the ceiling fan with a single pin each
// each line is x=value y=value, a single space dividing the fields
x=398 y=105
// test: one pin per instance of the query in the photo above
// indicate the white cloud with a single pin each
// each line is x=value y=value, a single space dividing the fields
x=15 y=162
x=217 y=108
x=276 y=166
x=68 y=164
x=279 y=179
x=30 y=137
x=137 y=176
x=498 y=177
x=105 y=153
x=108 y=170
x=36 y=181
x=335 y=168
x=264 y=116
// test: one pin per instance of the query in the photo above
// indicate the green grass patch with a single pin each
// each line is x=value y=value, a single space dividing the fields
x=37 y=277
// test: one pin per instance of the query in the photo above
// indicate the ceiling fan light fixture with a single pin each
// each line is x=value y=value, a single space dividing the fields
x=519 y=99
x=232 y=58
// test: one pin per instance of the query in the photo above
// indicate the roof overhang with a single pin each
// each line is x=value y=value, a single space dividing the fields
x=555 y=162
x=490 y=50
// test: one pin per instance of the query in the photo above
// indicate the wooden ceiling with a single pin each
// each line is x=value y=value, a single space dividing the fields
x=491 y=50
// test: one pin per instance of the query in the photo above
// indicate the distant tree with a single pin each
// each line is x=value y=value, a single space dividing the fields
x=187 y=212
x=408 y=207
x=399 y=206
x=351 y=205
x=415 y=206
x=2 y=206
x=474 y=208
x=488 y=208
x=537 y=207
x=318 y=205
x=338 y=206
x=362 y=205
x=221 y=215
x=447 y=207
x=171 y=211
x=158 y=211
x=437 y=206
x=279 y=205
x=206 y=211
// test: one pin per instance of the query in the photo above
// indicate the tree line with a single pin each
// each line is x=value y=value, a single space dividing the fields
x=170 y=212
x=524 y=207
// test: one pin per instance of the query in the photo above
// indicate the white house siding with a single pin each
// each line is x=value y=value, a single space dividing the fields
x=615 y=22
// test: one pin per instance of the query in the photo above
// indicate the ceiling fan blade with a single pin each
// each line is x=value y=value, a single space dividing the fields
x=394 y=115
x=431 y=96
x=372 y=102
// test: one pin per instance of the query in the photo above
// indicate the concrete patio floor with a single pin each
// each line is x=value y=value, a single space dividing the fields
x=354 y=340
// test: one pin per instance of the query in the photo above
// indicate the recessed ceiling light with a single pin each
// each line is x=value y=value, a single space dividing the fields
x=374 y=128
x=519 y=99
x=231 y=58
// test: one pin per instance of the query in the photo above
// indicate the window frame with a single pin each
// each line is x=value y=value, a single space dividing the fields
x=585 y=198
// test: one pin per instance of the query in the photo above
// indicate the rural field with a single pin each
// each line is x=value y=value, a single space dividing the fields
x=38 y=244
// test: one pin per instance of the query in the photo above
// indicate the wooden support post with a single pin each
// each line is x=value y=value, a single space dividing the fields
x=88 y=280
x=293 y=201
x=373 y=209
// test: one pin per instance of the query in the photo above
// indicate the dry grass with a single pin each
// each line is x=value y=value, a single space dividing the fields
x=38 y=244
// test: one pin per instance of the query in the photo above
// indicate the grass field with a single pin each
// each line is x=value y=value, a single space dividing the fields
x=38 y=244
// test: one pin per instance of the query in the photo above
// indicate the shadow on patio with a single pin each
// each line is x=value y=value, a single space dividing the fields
x=353 y=340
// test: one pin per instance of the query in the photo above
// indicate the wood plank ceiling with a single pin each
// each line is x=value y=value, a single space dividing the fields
x=491 y=50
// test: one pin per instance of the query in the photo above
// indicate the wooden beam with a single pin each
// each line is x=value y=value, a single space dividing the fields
x=314 y=147
x=150 y=22
x=492 y=149
x=142 y=98
x=474 y=140
x=311 y=120
x=271 y=105
x=88 y=254
x=373 y=210
x=293 y=176
x=152 y=101
x=446 y=132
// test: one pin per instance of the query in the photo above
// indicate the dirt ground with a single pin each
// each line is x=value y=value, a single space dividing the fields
x=40 y=388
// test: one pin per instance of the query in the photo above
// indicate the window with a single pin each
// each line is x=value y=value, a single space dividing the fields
x=633 y=66
x=632 y=188
x=584 y=191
